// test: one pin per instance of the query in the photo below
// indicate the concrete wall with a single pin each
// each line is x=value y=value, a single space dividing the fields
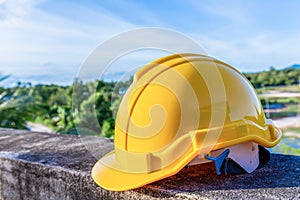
x=49 y=166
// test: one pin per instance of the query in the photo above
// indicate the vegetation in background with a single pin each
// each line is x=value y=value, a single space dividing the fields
x=51 y=105
x=288 y=145
x=16 y=106
x=282 y=88
x=273 y=77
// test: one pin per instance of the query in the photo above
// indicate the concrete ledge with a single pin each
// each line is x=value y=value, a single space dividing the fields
x=48 y=166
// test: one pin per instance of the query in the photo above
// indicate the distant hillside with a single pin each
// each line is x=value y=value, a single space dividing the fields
x=287 y=76
x=295 y=66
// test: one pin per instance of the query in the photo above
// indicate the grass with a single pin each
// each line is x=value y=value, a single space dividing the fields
x=292 y=107
x=289 y=100
x=294 y=130
x=289 y=146
x=289 y=88
x=290 y=110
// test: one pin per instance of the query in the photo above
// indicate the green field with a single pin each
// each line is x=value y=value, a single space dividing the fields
x=59 y=107
x=290 y=143
x=291 y=104
x=289 y=88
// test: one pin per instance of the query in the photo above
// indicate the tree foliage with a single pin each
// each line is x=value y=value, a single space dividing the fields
x=89 y=106
x=273 y=77
x=65 y=109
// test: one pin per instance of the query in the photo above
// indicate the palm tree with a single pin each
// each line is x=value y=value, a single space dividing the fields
x=14 y=107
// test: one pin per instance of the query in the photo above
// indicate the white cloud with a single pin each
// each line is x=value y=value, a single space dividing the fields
x=37 y=41
x=257 y=52
x=31 y=37
x=12 y=11
x=232 y=12
x=235 y=12
x=240 y=38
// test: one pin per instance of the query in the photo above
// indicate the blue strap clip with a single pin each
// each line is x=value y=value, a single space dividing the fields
x=219 y=160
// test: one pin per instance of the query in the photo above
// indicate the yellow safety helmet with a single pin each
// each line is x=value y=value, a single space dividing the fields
x=184 y=109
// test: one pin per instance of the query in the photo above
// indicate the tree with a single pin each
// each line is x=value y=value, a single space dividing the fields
x=16 y=107
x=273 y=77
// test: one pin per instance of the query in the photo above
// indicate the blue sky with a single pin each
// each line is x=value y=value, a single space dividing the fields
x=46 y=41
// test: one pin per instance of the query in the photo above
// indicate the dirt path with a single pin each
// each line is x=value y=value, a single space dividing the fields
x=39 y=127
x=280 y=94
x=287 y=122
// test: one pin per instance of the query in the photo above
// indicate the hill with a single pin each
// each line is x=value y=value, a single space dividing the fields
x=272 y=77
x=295 y=66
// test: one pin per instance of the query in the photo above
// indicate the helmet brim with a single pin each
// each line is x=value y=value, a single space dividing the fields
x=107 y=174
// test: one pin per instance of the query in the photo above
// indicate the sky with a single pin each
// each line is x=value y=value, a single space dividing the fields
x=47 y=41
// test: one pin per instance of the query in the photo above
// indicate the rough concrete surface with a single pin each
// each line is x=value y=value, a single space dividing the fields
x=49 y=166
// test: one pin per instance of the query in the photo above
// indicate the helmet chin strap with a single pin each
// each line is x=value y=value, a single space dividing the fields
x=241 y=158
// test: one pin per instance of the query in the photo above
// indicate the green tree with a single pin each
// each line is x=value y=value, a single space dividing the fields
x=273 y=77
x=16 y=107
